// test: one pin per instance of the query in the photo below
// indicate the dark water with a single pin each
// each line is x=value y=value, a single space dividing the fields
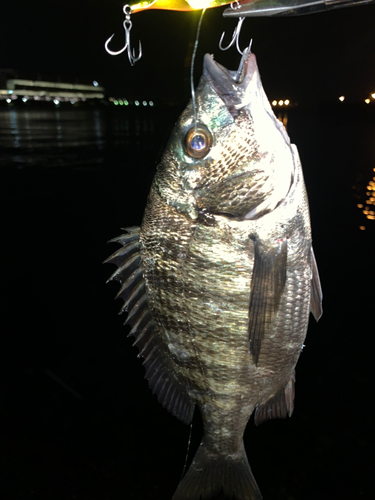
x=77 y=419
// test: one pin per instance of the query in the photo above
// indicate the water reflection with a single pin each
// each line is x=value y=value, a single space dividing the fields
x=60 y=137
x=367 y=199
x=98 y=129
x=13 y=128
x=282 y=116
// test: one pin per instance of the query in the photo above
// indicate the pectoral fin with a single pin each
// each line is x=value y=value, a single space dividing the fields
x=316 y=290
x=267 y=286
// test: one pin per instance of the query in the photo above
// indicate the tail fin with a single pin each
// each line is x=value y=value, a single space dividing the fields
x=218 y=478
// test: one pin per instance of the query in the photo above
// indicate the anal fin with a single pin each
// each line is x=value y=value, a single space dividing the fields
x=267 y=286
x=279 y=405
x=316 y=290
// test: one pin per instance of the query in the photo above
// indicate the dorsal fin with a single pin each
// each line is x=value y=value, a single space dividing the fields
x=162 y=379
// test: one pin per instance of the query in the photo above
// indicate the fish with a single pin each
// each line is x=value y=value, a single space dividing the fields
x=220 y=278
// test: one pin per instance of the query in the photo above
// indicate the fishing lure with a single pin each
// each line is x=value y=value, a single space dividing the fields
x=180 y=5
x=239 y=9
x=127 y=24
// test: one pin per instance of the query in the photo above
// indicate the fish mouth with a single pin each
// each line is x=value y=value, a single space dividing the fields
x=231 y=86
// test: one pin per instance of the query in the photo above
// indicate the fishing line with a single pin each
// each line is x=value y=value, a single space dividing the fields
x=187 y=451
x=195 y=131
x=192 y=69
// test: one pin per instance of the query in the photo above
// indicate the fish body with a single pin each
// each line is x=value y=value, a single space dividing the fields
x=220 y=279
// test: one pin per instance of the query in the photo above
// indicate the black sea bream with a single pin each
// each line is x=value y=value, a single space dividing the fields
x=220 y=278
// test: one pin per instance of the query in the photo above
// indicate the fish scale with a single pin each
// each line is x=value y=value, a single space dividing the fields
x=226 y=277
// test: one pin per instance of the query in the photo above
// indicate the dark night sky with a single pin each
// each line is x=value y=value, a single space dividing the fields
x=322 y=55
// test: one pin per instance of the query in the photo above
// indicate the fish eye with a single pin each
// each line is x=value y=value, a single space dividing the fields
x=198 y=142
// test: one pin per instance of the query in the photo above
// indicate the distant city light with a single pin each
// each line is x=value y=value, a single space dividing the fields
x=95 y=83
x=126 y=102
x=367 y=101
x=362 y=228
x=342 y=98
x=144 y=103
x=115 y=102
x=121 y=102
x=24 y=99
x=9 y=101
x=136 y=103
x=56 y=101
x=373 y=95
x=281 y=102
x=151 y=103
x=10 y=91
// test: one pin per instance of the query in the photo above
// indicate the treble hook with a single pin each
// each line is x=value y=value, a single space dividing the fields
x=236 y=34
x=127 y=27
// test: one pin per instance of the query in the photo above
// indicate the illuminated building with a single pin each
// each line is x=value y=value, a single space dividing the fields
x=12 y=89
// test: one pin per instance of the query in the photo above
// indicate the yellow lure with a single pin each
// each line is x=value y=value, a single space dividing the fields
x=181 y=5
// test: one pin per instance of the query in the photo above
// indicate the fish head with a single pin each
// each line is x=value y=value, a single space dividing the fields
x=231 y=155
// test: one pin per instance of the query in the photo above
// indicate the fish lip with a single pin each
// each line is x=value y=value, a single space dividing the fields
x=223 y=80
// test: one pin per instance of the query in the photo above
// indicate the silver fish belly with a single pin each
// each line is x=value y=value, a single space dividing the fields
x=221 y=277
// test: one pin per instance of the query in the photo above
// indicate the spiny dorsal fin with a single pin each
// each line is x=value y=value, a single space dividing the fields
x=280 y=405
x=267 y=286
x=316 y=290
x=126 y=258
x=162 y=380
